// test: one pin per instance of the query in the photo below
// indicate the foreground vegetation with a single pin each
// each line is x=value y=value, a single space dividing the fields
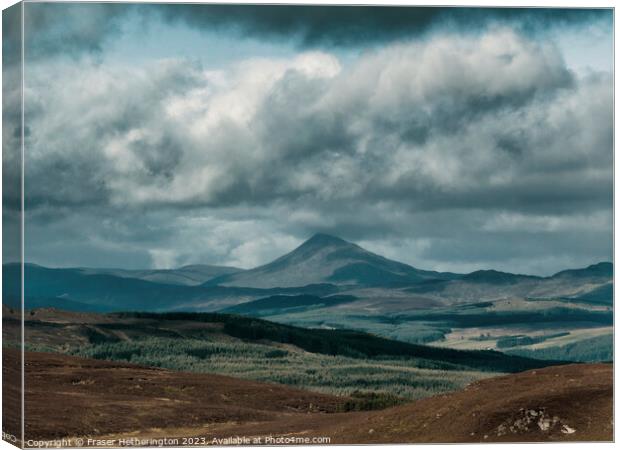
x=374 y=382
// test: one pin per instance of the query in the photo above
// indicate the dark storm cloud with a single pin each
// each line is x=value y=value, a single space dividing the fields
x=11 y=35
x=11 y=112
x=76 y=28
x=70 y=28
x=345 y=25
x=11 y=136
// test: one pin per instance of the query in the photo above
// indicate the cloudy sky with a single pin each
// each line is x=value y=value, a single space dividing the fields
x=449 y=139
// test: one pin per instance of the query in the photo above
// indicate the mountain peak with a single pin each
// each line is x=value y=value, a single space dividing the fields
x=325 y=239
x=327 y=259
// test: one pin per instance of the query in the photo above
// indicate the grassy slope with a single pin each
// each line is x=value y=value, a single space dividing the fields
x=387 y=377
x=341 y=362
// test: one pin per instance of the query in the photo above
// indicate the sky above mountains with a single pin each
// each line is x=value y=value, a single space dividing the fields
x=447 y=138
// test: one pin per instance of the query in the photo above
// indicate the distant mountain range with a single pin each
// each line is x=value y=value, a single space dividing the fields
x=329 y=259
x=192 y=275
x=322 y=266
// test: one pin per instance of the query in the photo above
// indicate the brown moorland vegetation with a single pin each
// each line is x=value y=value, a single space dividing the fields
x=74 y=397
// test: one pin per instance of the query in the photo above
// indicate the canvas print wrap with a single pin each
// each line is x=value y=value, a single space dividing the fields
x=296 y=224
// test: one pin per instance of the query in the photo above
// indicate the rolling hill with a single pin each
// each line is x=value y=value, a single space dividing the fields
x=192 y=275
x=279 y=304
x=572 y=403
x=58 y=330
x=496 y=277
x=69 y=396
x=603 y=270
x=79 y=289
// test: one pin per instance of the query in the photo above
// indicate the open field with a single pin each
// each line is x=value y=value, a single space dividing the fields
x=81 y=398
x=597 y=348
x=494 y=325
x=487 y=337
